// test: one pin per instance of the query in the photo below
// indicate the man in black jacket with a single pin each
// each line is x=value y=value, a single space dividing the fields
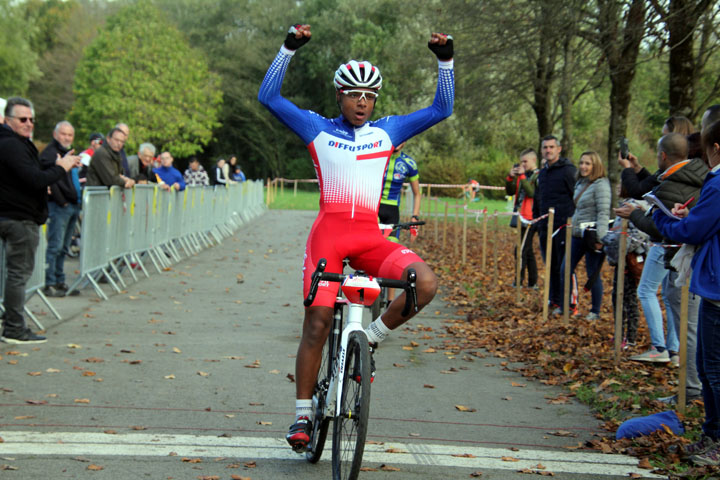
x=555 y=188
x=23 y=206
x=63 y=210
x=680 y=180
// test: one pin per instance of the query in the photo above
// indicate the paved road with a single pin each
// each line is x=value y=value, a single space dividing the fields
x=185 y=375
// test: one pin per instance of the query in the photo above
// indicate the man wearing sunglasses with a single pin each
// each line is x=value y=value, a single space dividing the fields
x=23 y=207
x=350 y=154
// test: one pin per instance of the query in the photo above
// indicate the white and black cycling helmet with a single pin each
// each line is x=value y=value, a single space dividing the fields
x=356 y=74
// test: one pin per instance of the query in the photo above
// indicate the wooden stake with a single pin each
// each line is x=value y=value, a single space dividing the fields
x=484 y=241
x=568 y=286
x=445 y=227
x=295 y=188
x=518 y=258
x=620 y=292
x=682 y=374
x=496 y=234
x=548 y=257
x=464 y=237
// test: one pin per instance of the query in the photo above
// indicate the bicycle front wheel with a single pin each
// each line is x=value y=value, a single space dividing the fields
x=350 y=427
x=321 y=423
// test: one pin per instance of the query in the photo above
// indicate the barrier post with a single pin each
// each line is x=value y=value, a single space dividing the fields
x=567 y=287
x=275 y=189
x=484 y=240
x=282 y=187
x=496 y=235
x=620 y=289
x=548 y=261
x=445 y=227
x=435 y=218
x=456 y=235
x=267 y=193
x=464 y=237
x=427 y=200
x=295 y=188
x=682 y=374
x=518 y=258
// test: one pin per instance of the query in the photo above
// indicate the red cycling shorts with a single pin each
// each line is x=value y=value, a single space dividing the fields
x=336 y=236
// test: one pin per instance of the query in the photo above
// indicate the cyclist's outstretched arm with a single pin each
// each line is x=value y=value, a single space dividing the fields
x=417 y=196
x=403 y=127
x=296 y=119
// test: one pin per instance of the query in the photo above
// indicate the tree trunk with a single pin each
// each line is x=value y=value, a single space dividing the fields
x=621 y=44
x=681 y=23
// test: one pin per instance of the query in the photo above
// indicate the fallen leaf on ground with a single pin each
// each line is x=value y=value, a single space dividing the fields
x=509 y=459
x=82 y=400
x=94 y=467
x=388 y=468
x=463 y=408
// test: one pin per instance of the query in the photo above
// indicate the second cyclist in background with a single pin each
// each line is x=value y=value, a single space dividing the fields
x=401 y=168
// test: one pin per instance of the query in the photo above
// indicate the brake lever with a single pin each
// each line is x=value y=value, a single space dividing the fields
x=410 y=293
x=316 y=277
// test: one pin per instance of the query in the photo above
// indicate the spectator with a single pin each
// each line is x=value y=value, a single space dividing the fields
x=678 y=124
x=470 y=190
x=555 y=187
x=228 y=169
x=589 y=226
x=701 y=226
x=105 y=166
x=23 y=207
x=64 y=210
x=521 y=182
x=2 y=109
x=196 y=174
x=238 y=175
x=96 y=140
x=143 y=171
x=123 y=156
x=219 y=177
x=168 y=176
x=680 y=179
x=634 y=261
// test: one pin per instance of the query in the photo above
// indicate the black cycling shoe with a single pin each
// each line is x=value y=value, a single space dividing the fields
x=356 y=374
x=299 y=435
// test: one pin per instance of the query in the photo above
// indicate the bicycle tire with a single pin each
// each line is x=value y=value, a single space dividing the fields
x=350 y=427
x=379 y=304
x=321 y=423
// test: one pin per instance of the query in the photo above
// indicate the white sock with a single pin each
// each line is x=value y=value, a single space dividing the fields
x=303 y=408
x=377 y=331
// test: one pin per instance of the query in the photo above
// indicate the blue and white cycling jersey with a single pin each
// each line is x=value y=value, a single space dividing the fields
x=350 y=162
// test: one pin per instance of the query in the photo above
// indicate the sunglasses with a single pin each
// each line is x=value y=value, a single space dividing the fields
x=24 y=119
x=358 y=95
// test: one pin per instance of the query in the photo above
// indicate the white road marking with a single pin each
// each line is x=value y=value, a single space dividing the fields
x=142 y=444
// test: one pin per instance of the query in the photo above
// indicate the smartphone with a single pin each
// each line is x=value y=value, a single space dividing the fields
x=624 y=148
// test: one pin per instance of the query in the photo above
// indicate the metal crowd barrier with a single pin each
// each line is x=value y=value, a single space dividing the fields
x=122 y=230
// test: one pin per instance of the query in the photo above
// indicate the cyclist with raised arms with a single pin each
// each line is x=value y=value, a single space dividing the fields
x=350 y=154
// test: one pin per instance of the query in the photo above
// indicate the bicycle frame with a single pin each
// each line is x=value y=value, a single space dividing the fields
x=353 y=324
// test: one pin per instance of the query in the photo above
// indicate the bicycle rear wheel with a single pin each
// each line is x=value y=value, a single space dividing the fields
x=321 y=423
x=350 y=427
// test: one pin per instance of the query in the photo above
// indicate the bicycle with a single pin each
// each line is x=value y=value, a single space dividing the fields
x=389 y=230
x=342 y=390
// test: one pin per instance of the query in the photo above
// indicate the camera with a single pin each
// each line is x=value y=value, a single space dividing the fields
x=516 y=165
x=624 y=148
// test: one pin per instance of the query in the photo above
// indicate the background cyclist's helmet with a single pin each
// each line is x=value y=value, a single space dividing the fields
x=356 y=74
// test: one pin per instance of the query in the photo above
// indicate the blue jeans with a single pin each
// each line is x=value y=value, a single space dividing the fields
x=708 y=362
x=60 y=227
x=653 y=275
x=593 y=262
